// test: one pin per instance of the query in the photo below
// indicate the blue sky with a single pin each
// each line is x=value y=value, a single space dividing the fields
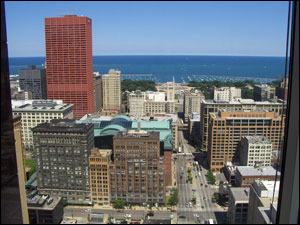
x=157 y=28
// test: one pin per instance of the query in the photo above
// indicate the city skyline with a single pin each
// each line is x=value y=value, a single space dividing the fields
x=247 y=29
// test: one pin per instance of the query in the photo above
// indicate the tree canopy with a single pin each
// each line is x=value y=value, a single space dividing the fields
x=142 y=85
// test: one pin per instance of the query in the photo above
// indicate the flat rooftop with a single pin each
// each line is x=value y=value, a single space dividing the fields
x=101 y=152
x=259 y=171
x=257 y=139
x=63 y=125
x=137 y=134
x=244 y=101
x=240 y=193
x=39 y=202
x=40 y=105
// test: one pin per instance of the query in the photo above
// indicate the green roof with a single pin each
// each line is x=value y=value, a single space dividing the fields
x=111 y=130
x=152 y=125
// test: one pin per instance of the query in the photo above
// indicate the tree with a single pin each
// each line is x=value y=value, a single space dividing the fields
x=174 y=198
x=211 y=177
x=119 y=204
x=194 y=199
x=216 y=196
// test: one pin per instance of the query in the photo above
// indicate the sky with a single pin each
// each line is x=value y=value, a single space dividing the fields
x=157 y=28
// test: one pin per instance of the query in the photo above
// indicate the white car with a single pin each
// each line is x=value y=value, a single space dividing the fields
x=127 y=216
x=87 y=210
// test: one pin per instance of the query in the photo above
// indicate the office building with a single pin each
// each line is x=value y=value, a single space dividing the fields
x=69 y=62
x=255 y=150
x=137 y=175
x=238 y=205
x=34 y=112
x=34 y=80
x=99 y=162
x=211 y=106
x=229 y=126
x=282 y=89
x=20 y=95
x=263 y=92
x=260 y=210
x=136 y=103
x=192 y=103
x=97 y=92
x=45 y=209
x=111 y=87
x=246 y=175
x=61 y=150
x=229 y=171
x=226 y=94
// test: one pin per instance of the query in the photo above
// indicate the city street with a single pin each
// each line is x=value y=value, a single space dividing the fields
x=204 y=208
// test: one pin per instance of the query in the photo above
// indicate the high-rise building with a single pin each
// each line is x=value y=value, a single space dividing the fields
x=97 y=91
x=99 y=164
x=255 y=150
x=111 y=87
x=263 y=92
x=192 y=103
x=69 y=62
x=194 y=128
x=61 y=150
x=34 y=80
x=138 y=173
x=260 y=200
x=211 y=106
x=228 y=127
x=226 y=93
x=238 y=205
x=34 y=112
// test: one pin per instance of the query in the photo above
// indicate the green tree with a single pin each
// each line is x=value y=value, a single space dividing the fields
x=211 y=177
x=216 y=196
x=194 y=199
x=30 y=163
x=173 y=200
x=119 y=204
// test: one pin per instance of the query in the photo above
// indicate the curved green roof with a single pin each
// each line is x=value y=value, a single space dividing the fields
x=122 y=116
x=111 y=130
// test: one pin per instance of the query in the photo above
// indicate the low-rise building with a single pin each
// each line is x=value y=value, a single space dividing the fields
x=229 y=171
x=99 y=163
x=45 y=209
x=260 y=208
x=246 y=175
x=238 y=205
x=255 y=150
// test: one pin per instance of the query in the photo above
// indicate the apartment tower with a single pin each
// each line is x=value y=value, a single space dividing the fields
x=111 y=85
x=69 y=62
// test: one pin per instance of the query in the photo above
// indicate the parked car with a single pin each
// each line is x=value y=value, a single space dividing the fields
x=173 y=210
x=150 y=213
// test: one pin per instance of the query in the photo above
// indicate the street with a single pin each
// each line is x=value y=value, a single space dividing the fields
x=204 y=208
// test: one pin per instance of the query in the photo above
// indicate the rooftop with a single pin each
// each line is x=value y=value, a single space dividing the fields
x=137 y=134
x=259 y=171
x=244 y=101
x=40 y=105
x=62 y=125
x=240 y=193
x=42 y=202
x=265 y=189
x=101 y=152
x=257 y=139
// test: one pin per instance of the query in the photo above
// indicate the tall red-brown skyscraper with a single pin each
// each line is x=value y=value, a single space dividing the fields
x=69 y=62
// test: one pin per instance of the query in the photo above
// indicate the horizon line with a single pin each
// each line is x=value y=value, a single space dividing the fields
x=165 y=55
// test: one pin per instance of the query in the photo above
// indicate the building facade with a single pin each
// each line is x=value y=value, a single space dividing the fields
x=138 y=173
x=246 y=175
x=34 y=80
x=238 y=205
x=149 y=103
x=61 y=150
x=69 y=62
x=226 y=94
x=192 y=103
x=263 y=92
x=211 y=106
x=228 y=127
x=34 y=112
x=254 y=150
x=99 y=163
x=111 y=86
x=194 y=128
x=97 y=91
x=282 y=89
x=260 y=199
